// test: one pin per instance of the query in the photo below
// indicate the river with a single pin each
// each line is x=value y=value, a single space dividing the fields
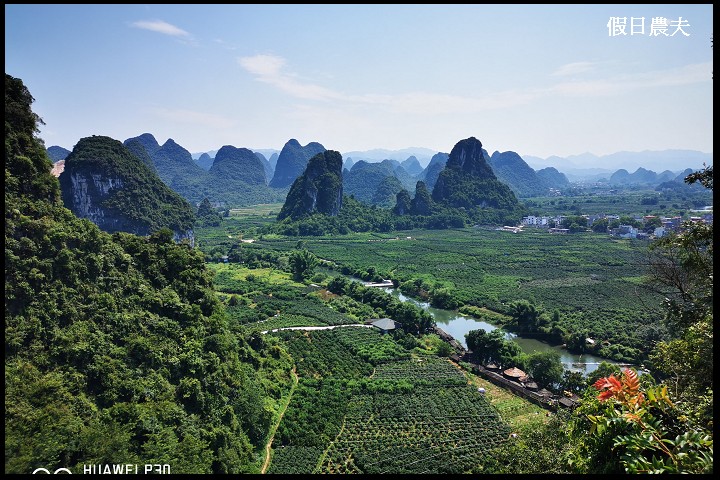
x=457 y=325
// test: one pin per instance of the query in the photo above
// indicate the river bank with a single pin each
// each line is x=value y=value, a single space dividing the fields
x=456 y=326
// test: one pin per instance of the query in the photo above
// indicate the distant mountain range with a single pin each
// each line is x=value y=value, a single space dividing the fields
x=422 y=155
x=232 y=176
x=582 y=167
x=588 y=166
x=585 y=166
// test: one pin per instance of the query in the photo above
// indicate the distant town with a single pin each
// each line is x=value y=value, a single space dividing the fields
x=645 y=227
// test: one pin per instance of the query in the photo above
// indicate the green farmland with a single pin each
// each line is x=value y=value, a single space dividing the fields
x=592 y=283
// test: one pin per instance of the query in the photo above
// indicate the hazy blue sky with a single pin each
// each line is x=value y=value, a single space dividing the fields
x=535 y=79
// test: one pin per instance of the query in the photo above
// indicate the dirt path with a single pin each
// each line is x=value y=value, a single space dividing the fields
x=266 y=464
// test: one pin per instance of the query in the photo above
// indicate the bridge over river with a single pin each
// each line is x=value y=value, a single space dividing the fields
x=384 y=283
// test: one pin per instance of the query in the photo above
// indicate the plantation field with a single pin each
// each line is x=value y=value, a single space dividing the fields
x=262 y=210
x=261 y=299
x=635 y=202
x=242 y=224
x=593 y=282
x=590 y=284
x=580 y=272
x=413 y=415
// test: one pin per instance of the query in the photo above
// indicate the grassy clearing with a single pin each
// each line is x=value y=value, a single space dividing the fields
x=263 y=209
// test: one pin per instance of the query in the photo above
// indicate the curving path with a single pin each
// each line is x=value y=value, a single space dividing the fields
x=266 y=464
x=324 y=327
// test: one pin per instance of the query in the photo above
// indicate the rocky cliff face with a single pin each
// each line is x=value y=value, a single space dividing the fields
x=467 y=156
x=57 y=168
x=105 y=183
x=87 y=191
x=318 y=189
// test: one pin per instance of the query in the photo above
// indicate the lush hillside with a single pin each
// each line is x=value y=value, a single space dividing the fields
x=386 y=192
x=318 y=190
x=412 y=165
x=510 y=168
x=107 y=184
x=467 y=179
x=236 y=165
x=552 y=178
x=122 y=349
x=468 y=182
x=640 y=176
x=292 y=161
x=137 y=148
x=432 y=171
x=364 y=179
x=205 y=161
x=56 y=153
x=117 y=349
x=239 y=179
x=269 y=169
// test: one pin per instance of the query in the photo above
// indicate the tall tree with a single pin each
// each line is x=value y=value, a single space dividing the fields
x=546 y=367
x=302 y=264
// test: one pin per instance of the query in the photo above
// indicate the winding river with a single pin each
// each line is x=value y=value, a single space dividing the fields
x=457 y=325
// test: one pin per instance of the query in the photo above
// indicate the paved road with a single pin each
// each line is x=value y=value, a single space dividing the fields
x=327 y=327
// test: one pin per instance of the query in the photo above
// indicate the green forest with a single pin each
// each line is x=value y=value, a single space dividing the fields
x=127 y=349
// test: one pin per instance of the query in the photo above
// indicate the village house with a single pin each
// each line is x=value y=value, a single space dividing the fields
x=624 y=231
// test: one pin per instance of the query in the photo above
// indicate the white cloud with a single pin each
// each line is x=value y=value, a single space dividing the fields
x=161 y=27
x=685 y=75
x=263 y=65
x=271 y=69
x=573 y=69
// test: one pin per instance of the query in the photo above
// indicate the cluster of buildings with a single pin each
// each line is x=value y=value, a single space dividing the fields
x=667 y=224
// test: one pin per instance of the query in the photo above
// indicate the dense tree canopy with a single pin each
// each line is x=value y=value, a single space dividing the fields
x=207 y=216
x=130 y=194
x=117 y=349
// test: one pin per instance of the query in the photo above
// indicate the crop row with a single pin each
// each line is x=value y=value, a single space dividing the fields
x=430 y=368
x=421 y=401
x=414 y=446
x=292 y=459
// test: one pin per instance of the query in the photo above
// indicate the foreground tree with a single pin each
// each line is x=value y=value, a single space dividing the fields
x=546 y=367
x=117 y=348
